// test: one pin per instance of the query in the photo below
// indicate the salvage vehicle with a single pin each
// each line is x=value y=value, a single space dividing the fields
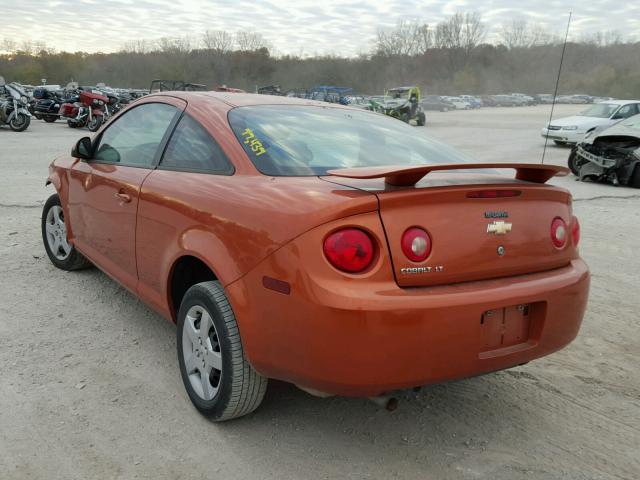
x=159 y=85
x=474 y=102
x=458 y=103
x=331 y=94
x=318 y=244
x=437 y=103
x=506 y=101
x=522 y=99
x=402 y=103
x=269 y=90
x=571 y=130
x=610 y=155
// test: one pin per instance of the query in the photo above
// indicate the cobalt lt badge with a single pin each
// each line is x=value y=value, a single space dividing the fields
x=499 y=228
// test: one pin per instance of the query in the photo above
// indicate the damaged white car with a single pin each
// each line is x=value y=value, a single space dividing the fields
x=610 y=155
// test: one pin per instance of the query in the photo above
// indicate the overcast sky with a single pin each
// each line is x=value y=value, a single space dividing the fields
x=298 y=27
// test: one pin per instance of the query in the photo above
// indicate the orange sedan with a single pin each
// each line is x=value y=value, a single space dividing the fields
x=330 y=247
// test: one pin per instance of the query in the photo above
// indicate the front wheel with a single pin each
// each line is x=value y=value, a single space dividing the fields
x=19 y=122
x=634 y=181
x=216 y=374
x=54 y=236
x=422 y=119
x=560 y=143
x=95 y=123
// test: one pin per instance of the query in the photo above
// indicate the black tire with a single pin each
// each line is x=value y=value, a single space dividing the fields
x=574 y=163
x=240 y=389
x=72 y=124
x=634 y=181
x=20 y=122
x=49 y=118
x=75 y=260
x=560 y=143
x=422 y=119
x=95 y=123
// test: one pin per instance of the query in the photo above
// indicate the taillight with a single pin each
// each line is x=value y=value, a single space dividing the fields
x=493 y=193
x=559 y=232
x=575 y=231
x=350 y=250
x=416 y=244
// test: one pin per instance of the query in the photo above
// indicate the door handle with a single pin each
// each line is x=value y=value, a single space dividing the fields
x=124 y=197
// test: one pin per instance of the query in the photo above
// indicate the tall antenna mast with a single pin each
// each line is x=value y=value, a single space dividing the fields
x=555 y=93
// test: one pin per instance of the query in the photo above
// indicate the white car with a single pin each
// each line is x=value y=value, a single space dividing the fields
x=459 y=103
x=573 y=129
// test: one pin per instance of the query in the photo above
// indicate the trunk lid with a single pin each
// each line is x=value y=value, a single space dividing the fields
x=469 y=242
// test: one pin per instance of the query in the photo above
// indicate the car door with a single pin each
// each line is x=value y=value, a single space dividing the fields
x=104 y=191
x=169 y=217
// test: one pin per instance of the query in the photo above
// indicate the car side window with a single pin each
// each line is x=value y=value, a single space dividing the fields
x=133 y=139
x=626 y=111
x=192 y=148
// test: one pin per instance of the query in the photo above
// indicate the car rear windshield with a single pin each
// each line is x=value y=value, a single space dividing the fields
x=292 y=140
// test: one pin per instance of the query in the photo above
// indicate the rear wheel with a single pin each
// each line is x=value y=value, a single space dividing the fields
x=421 y=119
x=49 y=118
x=54 y=236
x=216 y=374
x=560 y=143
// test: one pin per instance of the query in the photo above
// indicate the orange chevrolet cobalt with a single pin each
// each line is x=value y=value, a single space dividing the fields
x=337 y=249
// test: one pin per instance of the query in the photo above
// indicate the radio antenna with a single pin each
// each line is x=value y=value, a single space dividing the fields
x=555 y=92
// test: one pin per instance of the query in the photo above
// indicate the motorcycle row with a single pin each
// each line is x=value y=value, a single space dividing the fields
x=80 y=107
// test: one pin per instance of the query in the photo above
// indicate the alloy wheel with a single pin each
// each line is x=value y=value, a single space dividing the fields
x=56 y=232
x=201 y=352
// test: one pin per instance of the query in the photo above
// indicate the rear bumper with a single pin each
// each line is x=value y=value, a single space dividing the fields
x=366 y=339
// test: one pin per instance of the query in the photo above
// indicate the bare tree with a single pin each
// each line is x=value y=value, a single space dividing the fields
x=8 y=45
x=520 y=34
x=177 y=45
x=218 y=40
x=462 y=31
x=406 y=38
x=250 y=41
x=515 y=34
x=137 y=46
x=604 y=38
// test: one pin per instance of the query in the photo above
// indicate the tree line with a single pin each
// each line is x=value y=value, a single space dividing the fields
x=450 y=57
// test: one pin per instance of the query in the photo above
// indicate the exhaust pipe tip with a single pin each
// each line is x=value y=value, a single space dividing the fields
x=387 y=402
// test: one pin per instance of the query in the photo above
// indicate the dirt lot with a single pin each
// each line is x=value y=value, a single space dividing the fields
x=90 y=388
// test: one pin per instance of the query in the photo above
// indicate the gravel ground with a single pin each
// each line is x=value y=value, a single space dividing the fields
x=90 y=388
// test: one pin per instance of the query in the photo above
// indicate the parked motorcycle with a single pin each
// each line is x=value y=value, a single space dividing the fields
x=88 y=110
x=46 y=104
x=13 y=107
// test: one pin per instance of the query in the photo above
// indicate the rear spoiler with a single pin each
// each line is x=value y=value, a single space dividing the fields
x=407 y=176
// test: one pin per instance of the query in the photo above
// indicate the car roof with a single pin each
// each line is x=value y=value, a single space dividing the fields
x=620 y=102
x=242 y=99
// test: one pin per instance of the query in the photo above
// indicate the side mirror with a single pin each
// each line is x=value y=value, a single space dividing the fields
x=82 y=149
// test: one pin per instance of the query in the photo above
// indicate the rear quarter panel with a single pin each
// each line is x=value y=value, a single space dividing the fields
x=230 y=223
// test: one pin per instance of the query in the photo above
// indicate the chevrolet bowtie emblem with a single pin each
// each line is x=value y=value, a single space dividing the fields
x=499 y=228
